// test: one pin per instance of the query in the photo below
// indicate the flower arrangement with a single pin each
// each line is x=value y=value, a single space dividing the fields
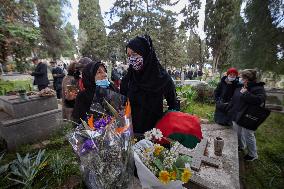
x=160 y=163
x=104 y=146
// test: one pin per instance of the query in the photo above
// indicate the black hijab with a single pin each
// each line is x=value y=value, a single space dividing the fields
x=153 y=77
x=88 y=75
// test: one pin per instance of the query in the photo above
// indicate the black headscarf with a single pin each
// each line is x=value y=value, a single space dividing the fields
x=153 y=77
x=88 y=75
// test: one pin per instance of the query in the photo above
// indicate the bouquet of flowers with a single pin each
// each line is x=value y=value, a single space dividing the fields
x=159 y=167
x=103 y=143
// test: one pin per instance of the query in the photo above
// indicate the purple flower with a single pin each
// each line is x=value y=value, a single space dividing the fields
x=87 y=146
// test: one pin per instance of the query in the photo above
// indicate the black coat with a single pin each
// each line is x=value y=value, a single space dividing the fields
x=40 y=74
x=254 y=96
x=147 y=107
x=57 y=80
x=223 y=95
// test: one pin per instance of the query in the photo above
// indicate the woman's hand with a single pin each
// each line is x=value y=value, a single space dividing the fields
x=243 y=90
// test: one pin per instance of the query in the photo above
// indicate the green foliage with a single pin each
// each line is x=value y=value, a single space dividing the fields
x=218 y=17
x=257 y=41
x=24 y=170
x=213 y=82
x=201 y=110
x=9 y=86
x=92 y=33
x=205 y=93
x=267 y=172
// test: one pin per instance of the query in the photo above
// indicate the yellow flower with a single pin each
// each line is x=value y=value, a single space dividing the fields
x=173 y=175
x=157 y=149
x=185 y=176
x=164 y=177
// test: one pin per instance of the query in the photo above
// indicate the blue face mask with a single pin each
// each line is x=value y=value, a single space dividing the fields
x=102 y=83
x=241 y=81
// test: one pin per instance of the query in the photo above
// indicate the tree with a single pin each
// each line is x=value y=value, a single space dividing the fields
x=190 y=13
x=139 y=17
x=256 y=38
x=69 y=41
x=262 y=36
x=218 y=17
x=18 y=34
x=50 y=22
x=92 y=33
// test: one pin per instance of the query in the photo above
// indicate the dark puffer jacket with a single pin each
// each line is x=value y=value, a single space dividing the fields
x=254 y=96
x=223 y=95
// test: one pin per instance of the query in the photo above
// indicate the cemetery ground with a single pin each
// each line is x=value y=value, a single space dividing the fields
x=58 y=166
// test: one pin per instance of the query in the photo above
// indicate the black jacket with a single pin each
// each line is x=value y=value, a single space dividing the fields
x=57 y=80
x=147 y=107
x=223 y=95
x=254 y=96
x=147 y=87
x=40 y=74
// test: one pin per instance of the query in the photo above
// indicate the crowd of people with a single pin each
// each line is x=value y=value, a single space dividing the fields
x=190 y=74
x=146 y=83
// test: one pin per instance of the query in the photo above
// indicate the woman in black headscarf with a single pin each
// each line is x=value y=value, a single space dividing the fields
x=94 y=75
x=146 y=84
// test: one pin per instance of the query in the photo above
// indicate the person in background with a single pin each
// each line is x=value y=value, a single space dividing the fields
x=79 y=68
x=94 y=75
x=69 y=91
x=146 y=84
x=40 y=74
x=115 y=77
x=223 y=96
x=249 y=92
x=58 y=75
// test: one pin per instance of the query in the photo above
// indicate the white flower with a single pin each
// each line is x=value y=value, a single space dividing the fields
x=187 y=165
x=157 y=134
x=148 y=135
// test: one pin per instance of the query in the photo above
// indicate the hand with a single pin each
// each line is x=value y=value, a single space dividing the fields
x=243 y=90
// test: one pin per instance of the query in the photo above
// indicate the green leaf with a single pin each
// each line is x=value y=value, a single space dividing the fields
x=159 y=164
x=181 y=160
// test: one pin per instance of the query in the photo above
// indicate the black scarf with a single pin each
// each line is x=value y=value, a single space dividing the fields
x=153 y=77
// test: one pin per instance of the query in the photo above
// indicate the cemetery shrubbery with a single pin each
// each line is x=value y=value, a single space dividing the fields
x=13 y=86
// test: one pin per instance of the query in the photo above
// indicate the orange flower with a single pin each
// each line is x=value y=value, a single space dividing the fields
x=91 y=122
x=164 y=177
x=185 y=176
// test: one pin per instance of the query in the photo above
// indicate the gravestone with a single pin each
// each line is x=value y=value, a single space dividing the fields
x=275 y=100
x=28 y=121
x=211 y=171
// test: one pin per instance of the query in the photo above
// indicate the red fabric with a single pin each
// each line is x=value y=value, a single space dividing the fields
x=179 y=122
x=81 y=85
x=232 y=70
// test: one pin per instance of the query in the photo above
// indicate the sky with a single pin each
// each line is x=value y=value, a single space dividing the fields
x=107 y=4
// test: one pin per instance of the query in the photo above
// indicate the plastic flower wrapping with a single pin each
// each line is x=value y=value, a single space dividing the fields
x=103 y=142
x=158 y=166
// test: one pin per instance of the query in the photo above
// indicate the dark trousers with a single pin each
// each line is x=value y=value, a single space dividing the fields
x=58 y=93
x=40 y=87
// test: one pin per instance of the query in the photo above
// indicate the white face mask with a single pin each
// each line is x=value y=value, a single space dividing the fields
x=241 y=81
x=231 y=78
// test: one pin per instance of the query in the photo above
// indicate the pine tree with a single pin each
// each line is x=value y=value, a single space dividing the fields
x=92 y=33
x=50 y=22
x=218 y=17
